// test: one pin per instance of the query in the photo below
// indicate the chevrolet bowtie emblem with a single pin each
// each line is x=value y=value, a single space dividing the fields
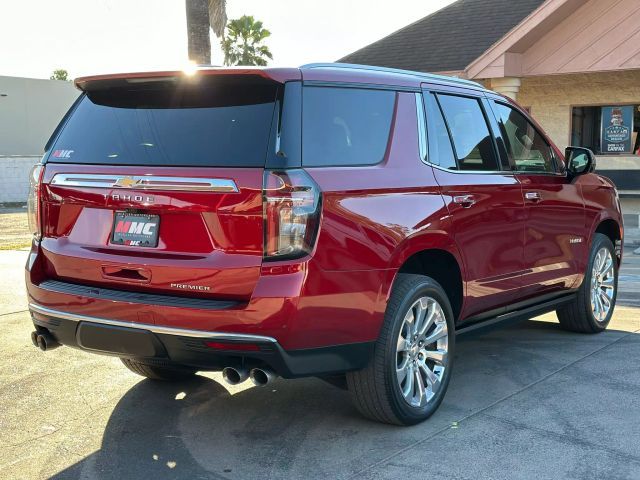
x=126 y=182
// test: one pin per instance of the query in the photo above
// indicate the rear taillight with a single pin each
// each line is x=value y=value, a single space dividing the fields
x=291 y=214
x=33 y=199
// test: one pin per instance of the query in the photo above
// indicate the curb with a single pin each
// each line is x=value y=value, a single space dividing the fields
x=13 y=205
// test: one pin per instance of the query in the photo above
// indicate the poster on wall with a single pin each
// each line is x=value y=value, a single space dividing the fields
x=617 y=127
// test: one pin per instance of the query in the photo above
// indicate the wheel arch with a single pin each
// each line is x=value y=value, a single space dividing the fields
x=612 y=229
x=435 y=256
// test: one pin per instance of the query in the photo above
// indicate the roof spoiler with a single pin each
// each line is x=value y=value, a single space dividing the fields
x=97 y=82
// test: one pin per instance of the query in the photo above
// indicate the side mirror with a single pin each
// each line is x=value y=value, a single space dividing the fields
x=579 y=161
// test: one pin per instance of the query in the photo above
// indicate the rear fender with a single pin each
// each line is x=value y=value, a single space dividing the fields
x=433 y=240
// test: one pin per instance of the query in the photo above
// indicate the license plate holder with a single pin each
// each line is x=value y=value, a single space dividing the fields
x=135 y=229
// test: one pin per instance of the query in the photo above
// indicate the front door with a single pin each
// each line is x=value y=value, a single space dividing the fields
x=555 y=236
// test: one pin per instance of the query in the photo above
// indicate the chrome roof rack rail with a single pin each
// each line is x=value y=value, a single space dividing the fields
x=424 y=76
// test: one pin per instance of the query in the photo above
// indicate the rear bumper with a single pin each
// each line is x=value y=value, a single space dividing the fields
x=204 y=350
x=300 y=319
x=299 y=304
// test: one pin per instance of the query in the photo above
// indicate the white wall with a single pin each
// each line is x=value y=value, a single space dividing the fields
x=30 y=109
x=14 y=177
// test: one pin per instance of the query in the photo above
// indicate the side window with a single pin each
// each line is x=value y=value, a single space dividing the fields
x=345 y=126
x=440 y=150
x=528 y=149
x=471 y=138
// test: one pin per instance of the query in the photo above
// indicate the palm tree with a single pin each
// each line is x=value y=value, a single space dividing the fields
x=202 y=15
x=242 y=44
x=60 y=74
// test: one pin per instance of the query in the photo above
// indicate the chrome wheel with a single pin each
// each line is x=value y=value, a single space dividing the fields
x=422 y=351
x=602 y=284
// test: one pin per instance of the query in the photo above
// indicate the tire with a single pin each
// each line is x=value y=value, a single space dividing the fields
x=158 y=370
x=581 y=315
x=377 y=390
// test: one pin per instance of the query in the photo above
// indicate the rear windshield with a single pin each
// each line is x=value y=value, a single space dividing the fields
x=211 y=121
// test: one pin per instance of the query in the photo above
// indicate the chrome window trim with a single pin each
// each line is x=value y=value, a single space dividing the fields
x=182 y=332
x=474 y=95
x=508 y=173
x=144 y=182
x=422 y=128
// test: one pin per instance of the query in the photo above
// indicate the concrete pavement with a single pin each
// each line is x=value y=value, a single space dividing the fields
x=629 y=280
x=528 y=401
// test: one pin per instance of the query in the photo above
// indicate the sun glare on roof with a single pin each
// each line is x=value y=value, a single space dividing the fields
x=190 y=69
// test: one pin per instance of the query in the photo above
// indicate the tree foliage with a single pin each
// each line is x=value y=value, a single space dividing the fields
x=243 y=42
x=60 y=74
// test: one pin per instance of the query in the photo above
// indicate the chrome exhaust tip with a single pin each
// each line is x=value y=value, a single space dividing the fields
x=234 y=376
x=261 y=376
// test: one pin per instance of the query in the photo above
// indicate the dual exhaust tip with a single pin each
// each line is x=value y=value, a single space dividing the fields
x=259 y=376
x=44 y=341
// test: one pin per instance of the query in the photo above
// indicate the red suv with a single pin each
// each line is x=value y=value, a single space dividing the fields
x=337 y=221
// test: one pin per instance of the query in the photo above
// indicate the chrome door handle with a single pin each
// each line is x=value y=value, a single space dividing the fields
x=533 y=196
x=465 y=201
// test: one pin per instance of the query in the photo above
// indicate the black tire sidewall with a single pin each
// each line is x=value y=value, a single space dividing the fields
x=425 y=287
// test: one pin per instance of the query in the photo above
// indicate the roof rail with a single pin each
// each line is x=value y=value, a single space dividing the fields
x=425 y=76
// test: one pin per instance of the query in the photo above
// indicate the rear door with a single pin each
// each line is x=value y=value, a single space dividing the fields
x=555 y=233
x=484 y=201
x=157 y=186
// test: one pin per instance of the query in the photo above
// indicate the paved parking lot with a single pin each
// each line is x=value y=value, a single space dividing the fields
x=529 y=401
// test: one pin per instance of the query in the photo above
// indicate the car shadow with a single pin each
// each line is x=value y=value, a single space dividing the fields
x=306 y=428
x=197 y=429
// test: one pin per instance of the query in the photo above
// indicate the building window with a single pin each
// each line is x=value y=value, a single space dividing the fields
x=607 y=130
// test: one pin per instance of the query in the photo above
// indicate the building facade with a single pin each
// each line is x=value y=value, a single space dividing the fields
x=30 y=109
x=574 y=64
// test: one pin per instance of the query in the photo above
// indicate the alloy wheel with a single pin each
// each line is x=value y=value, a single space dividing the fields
x=602 y=284
x=422 y=351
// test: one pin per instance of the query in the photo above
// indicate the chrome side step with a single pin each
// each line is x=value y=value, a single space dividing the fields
x=517 y=315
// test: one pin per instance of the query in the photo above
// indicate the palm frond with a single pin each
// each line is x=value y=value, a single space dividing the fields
x=242 y=44
x=218 y=16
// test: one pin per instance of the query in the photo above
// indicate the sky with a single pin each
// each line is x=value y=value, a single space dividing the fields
x=88 y=37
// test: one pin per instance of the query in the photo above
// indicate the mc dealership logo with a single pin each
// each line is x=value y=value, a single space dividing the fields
x=136 y=228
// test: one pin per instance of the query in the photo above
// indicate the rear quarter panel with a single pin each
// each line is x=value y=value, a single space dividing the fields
x=374 y=218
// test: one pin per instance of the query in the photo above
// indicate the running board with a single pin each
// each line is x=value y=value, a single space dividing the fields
x=517 y=315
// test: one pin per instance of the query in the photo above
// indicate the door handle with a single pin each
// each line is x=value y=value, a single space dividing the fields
x=533 y=196
x=465 y=201
x=114 y=272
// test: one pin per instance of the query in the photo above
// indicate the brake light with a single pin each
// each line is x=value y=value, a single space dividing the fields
x=291 y=214
x=33 y=199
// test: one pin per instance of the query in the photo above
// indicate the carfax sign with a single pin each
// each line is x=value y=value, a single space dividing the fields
x=617 y=126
